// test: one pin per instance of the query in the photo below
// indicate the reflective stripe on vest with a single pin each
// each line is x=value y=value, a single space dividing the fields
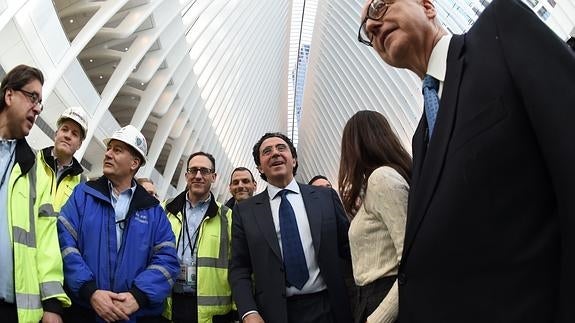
x=28 y=301
x=47 y=210
x=49 y=289
x=222 y=261
x=20 y=235
x=214 y=300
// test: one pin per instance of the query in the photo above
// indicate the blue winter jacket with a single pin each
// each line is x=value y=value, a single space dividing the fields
x=146 y=263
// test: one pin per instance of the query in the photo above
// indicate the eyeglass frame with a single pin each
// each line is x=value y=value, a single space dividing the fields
x=204 y=171
x=33 y=97
x=369 y=42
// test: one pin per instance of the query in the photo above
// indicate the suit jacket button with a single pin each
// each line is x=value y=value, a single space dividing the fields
x=401 y=278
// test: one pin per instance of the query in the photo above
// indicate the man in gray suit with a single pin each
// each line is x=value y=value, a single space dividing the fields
x=286 y=242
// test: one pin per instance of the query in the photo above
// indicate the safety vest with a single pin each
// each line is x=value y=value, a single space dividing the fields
x=38 y=274
x=214 y=295
x=61 y=190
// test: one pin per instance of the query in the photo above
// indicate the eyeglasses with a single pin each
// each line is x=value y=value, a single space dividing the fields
x=33 y=97
x=203 y=170
x=375 y=11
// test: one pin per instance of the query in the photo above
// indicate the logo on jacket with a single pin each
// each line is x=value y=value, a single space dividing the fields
x=141 y=218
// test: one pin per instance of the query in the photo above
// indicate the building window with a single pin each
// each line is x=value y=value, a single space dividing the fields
x=552 y=3
x=532 y=3
x=543 y=13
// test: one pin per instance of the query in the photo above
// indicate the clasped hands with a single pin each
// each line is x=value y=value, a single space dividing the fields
x=112 y=306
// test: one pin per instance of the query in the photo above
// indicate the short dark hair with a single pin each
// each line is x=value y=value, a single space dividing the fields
x=242 y=169
x=201 y=153
x=17 y=78
x=315 y=178
x=256 y=150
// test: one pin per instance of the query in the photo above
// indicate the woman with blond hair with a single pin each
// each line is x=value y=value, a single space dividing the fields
x=374 y=174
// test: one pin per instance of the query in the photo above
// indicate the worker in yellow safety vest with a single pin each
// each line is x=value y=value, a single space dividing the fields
x=65 y=171
x=202 y=226
x=31 y=274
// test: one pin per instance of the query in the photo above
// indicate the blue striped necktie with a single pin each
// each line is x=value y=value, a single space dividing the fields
x=430 y=100
x=294 y=257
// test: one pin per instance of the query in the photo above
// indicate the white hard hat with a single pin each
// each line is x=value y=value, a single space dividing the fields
x=132 y=137
x=76 y=114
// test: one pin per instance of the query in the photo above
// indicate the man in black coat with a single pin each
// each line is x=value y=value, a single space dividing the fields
x=491 y=213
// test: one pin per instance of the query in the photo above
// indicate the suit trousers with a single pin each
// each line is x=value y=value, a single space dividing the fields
x=309 y=308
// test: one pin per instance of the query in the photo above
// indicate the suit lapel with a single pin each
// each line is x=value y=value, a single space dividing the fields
x=314 y=213
x=419 y=144
x=264 y=219
x=431 y=164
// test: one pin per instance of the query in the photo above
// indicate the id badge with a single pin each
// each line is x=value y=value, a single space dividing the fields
x=191 y=275
x=182 y=276
x=187 y=275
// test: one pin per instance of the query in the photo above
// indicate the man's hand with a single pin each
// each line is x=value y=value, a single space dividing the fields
x=129 y=305
x=50 y=317
x=102 y=302
x=253 y=318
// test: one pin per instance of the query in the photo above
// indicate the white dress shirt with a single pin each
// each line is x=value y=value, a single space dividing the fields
x=315 y=282
x=437 y=66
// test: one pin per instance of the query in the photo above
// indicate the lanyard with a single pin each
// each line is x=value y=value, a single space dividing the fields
x=7 y=167
x=195 y=235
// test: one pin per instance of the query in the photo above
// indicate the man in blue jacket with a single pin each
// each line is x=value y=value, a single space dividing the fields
x=116 y=242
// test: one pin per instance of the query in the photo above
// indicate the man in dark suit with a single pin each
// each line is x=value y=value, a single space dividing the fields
x=286 y=242
x=491 y=213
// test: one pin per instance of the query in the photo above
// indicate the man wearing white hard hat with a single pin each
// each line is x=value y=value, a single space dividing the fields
x=116 y=242
x=63 y=170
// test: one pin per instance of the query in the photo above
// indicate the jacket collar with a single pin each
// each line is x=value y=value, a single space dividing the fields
x=176 y=205
x=24 y=155
x=140 y=200
x=75 y=169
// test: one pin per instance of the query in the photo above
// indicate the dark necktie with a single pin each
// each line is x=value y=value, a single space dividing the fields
x=430 y=100
x=294 y=257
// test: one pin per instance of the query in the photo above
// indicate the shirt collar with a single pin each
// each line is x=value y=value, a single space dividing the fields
x=437 y=66
x=8 y=141
x=9 y=144
x=132 y=188
x=273 y=190
x=58 y=164
x=200 y=203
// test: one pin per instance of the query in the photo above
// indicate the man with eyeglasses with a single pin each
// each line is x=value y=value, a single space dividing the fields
x=118 y=248
x=491 y=213
x=202 y=227
x=31 y=274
